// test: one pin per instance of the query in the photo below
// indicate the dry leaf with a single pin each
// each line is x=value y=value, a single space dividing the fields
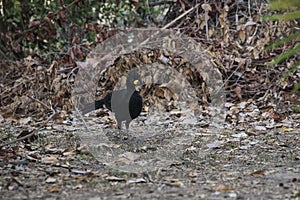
x=258 y=173
x=53 y=189
x=285 y=129
x=242 y=35
x=215 y=144
x=175 y=183
x=50 y=160
x=50 y=180
x=238 y=91
x=223 y=188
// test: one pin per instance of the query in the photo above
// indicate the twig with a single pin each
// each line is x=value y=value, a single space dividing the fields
x=206 y=21
x=42 y=103
x=180 y=16
x=157 y=3
x=168 y=25
x=81 y=117
x=70 y=73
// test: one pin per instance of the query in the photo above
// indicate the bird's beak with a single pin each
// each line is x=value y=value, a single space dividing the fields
x=136 y=82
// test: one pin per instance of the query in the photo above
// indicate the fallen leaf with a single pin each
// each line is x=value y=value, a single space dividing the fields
x=285 y=129
x=69 y=153
x=223 y=188
x=53 y=189
x=258 y=173
x=50 y=180
x=49 y=160
x=240 y=135
x=175 y=183
x=260 y=128
x=215 y=144
x=238 y=91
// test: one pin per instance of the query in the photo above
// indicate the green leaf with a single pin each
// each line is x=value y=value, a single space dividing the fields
x=292 y=70
x=284 y=40
x=286 y=16
x=296 y=87
x=280 y=4
x=285 y=55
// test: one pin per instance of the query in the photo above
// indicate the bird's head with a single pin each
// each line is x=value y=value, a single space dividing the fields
x=136 y=82
x=133 y=79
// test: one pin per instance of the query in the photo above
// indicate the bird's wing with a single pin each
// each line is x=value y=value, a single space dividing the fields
x=135 y=105
x=119 y=98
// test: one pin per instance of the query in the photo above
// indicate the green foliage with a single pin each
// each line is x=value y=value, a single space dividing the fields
x=70 y=27
x=286 y=16
x=297 y=86
x=293 y=13
x=291 y=71
x=287 y=39
x=49 y=26
x=285 y=55
x=286 y=4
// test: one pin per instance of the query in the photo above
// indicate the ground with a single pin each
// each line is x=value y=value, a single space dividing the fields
x=241 y=162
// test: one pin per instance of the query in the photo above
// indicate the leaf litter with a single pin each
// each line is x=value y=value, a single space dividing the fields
x=254 y=154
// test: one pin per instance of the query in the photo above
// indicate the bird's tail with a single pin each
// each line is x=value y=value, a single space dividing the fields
x=92 y=106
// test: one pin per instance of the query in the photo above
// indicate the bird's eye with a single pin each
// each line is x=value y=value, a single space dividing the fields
x=135 y=82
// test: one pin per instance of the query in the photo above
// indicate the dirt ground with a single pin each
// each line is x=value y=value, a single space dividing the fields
x=229 y=162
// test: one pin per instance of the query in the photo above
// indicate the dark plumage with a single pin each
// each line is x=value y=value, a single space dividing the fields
x=125 y=103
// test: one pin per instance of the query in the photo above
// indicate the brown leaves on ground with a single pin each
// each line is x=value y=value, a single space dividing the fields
x=33 y=89
x=256 y=153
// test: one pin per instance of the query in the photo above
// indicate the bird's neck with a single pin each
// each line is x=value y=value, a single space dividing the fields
x=131 y=89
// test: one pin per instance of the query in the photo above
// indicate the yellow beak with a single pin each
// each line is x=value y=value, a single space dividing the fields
x=135 y=82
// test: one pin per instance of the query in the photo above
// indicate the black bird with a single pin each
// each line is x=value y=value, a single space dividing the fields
x=125 y=103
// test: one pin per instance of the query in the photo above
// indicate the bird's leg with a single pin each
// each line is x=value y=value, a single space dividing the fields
x=124 y=136
x=127 y=126
x=119 y=122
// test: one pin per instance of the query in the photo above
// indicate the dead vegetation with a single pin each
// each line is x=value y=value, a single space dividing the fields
x=253 y=154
